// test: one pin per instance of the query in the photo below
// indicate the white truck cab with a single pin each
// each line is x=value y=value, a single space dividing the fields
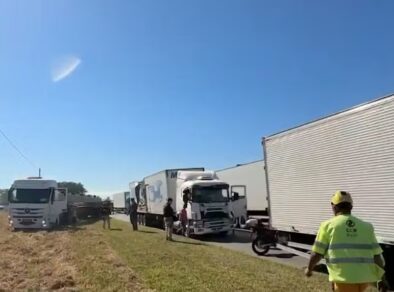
x=207 y=200
x=36 y=203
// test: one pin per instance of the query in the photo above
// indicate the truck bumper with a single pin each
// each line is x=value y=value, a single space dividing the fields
x=27 y=223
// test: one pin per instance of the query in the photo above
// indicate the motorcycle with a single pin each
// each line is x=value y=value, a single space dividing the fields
x=265 y=238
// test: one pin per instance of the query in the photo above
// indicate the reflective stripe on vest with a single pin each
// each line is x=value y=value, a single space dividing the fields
x=350 y=260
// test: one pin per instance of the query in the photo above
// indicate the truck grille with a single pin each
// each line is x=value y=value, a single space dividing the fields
x=27 y=212
x=217 y=214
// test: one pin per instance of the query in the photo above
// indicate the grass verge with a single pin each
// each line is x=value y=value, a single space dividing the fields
x=88 y=258
x=188 y=265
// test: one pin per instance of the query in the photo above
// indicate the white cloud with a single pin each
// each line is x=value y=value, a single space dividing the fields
x=64 y=67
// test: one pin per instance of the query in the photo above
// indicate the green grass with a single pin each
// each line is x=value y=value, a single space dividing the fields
x=99 y=267
x=188 y=265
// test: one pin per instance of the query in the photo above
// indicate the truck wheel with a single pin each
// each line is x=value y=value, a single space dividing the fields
x=259 y=247
x=235 y=220
x=242 y=222
x=188 y=232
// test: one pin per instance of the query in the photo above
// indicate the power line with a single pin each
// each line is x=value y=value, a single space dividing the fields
x=17 y=149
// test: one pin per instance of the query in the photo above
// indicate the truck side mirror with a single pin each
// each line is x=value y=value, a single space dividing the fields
x=235 y=196
x=186 y=195
x=11 y=194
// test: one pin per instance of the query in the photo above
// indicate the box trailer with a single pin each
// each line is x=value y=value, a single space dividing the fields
x=121 y=202
x=352 y=150
x=152 y=194
x=248 y=180
x=207 y=199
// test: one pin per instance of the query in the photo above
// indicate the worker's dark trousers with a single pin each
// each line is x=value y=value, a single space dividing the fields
x=133 y=221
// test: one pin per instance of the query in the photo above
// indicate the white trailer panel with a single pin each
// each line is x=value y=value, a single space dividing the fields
x=352 y=150
x=160 y=187
x=156 y=192
x=252 y=176
x=119 y=200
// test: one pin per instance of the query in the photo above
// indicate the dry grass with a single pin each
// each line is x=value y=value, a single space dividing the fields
x=37 y=261
x=72 y=260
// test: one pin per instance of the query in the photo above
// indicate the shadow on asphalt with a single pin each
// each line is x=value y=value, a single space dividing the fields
x=283 y=255
x=187 y=242
x=236 y=237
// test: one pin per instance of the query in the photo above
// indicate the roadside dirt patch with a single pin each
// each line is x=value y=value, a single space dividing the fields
x=35 y=260
x=69 y=260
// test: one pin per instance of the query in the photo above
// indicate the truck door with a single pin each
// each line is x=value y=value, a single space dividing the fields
x=58 y=205
x=238 y=205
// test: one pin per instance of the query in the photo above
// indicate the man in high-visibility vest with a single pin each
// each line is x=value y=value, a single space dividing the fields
x=353 y=255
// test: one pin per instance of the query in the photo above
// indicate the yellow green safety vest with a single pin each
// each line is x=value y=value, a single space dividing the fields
x=349 y=245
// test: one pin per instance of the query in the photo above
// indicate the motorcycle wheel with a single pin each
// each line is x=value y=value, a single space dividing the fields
x=259 y=248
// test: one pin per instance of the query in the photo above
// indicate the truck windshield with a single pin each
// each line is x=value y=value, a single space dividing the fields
x=210 y=194
x=39 y=196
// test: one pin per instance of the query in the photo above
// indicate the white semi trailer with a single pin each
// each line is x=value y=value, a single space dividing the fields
x=353 y=151
x=37 y=203
x=248 y=182
x=121 y=202
x=208 y=207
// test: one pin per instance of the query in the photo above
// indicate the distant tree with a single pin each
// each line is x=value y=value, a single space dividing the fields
x=73 y=187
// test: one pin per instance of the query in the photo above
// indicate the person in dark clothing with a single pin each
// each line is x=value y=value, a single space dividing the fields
x=134 y=214
x=168 y=214
x=105 y=214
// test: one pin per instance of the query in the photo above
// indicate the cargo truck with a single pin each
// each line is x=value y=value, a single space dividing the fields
x=248 y=182
x=121 y=202
x=37 y=203
x=352 y=150
x=208 y=206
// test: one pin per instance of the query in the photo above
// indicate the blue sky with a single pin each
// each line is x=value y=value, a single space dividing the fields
x=163 y=84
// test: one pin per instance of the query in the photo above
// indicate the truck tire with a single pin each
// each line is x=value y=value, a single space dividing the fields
x=235 y=220
x=259 y=248
x=242 y=222
x=188 y=232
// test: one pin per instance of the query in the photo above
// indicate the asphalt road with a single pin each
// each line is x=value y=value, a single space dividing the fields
x=241 y=241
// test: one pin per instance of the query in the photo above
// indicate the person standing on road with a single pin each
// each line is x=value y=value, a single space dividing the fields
x=353 y=255
x=168 y=214
x=134 y=214
x=105 y=213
